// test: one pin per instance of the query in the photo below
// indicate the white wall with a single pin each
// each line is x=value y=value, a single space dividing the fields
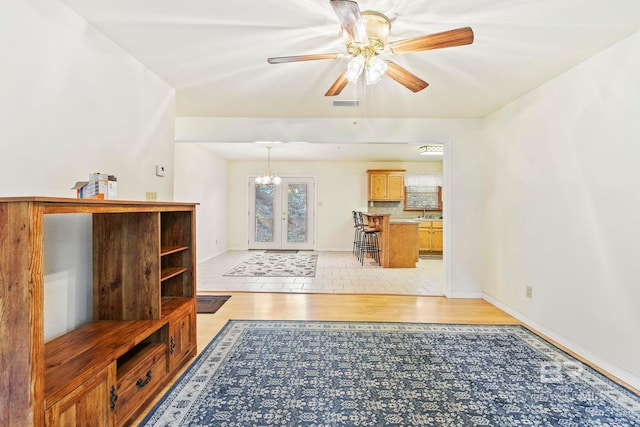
x=562 y=208
x=201 y=177
x=72 y=103
x=344 y=187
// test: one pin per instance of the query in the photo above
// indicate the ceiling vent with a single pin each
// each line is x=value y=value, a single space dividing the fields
x=346 y=103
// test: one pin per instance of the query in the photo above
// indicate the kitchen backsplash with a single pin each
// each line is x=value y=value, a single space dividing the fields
x=396 y=209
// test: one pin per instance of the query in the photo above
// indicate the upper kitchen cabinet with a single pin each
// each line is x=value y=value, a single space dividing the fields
x=386 y=184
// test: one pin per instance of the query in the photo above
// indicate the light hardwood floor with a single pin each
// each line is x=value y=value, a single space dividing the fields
x=343 y=307
x=354 y=307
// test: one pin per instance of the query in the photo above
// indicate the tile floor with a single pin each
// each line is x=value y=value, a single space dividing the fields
x=336 y=272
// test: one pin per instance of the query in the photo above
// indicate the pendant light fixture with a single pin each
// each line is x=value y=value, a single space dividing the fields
x=268 y=177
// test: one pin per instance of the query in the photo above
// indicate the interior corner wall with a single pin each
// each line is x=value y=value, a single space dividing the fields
x=71 y=103
x=201 y=177
x=561 y=208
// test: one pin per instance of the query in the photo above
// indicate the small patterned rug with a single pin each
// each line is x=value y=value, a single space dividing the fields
x=277 y=265
x=296 y=373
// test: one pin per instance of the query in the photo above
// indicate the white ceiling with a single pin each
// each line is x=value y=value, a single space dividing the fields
x=214 y=52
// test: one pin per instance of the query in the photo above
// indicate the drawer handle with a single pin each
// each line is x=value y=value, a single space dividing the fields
x=173 y=345
x=141 y=383
x=114 y=397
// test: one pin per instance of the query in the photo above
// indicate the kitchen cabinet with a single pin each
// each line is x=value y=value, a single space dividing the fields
x=386 y=184
x=430 y=236
x=403 y=244
x=102 y=372
x=398 y=240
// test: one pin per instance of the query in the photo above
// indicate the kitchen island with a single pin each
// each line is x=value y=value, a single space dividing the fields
x=398 y=240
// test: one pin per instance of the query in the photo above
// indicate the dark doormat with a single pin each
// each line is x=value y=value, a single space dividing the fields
x=280 y=251
x=210 y=303
x=435 y=256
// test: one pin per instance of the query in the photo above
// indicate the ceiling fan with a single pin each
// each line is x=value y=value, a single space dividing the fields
x=365 y=35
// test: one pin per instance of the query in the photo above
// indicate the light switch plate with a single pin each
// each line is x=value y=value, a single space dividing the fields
x=160 y=170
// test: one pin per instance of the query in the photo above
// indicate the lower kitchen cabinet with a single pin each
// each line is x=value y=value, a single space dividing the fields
x=403 y=245
x=430 y=236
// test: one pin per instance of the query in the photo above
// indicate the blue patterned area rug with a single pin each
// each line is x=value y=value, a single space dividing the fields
x=295 y=373
x=277 y=265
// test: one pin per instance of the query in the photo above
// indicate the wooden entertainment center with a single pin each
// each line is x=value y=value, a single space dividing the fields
x=143 y=330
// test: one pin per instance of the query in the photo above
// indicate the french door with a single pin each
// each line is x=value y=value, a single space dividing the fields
x=281 y=216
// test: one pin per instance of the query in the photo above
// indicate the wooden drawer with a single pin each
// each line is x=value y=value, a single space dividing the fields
x=436 y=224
x=138 y=378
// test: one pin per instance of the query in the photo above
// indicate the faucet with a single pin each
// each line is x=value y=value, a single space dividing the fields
x=424 y=209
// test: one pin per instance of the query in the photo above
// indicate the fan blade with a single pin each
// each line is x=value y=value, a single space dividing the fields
x=353 y=27
x=405 y=78
x=285 y=59
x=338 y=85
x=451 y=38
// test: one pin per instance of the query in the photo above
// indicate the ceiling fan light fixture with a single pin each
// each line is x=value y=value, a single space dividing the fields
x=354 y=69
x=376 y=68
x=377 y=25
x=366 y=34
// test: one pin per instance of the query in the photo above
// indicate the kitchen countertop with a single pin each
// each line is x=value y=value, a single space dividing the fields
x=400 y=220
x=403 y=221
x=396 y=220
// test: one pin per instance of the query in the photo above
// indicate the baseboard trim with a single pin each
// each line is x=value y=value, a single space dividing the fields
x=465 y=295
x=620 y=373
x=200 y=261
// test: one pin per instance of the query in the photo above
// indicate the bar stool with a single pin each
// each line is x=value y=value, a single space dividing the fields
x=357 y=233
x=368 y=241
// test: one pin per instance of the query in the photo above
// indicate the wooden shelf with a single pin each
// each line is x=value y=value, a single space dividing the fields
x=69 y=205
x=139 y=323
x=173 y=304
x=131 y=363
x=168 y=273
x=172 y=250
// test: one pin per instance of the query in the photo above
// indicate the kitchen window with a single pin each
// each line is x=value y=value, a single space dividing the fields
x=423 y=193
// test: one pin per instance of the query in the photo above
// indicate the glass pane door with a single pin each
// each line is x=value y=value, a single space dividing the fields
x=264 y=213
x=282 y=216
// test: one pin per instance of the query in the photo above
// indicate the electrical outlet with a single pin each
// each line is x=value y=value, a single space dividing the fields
x=152 y=195
x=528 y=292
